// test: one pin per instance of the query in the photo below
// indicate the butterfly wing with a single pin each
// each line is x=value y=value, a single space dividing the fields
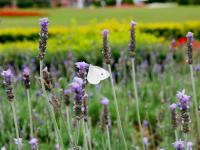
x=96 y=74
x=93 y=75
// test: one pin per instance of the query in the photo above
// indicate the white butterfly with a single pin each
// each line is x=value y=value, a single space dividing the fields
x=96 y=74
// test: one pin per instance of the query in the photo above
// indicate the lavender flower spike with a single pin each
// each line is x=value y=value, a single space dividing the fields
x=7 y=75
x=104 y=101
x=132 y=45
x=44 y=22
x=106 y=49
x=174 y=115
x=26 y=77
x=34 y=143
x=190 y=38
x=179 y=145
x=3 y=148
x=189 y=145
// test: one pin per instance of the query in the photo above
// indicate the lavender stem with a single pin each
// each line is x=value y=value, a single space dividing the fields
x=30 y=113
x=108 y=137
x=116 y=107
x=195 y=98
x=137 y=99
x=68 y=124
x=51 y=111
x=15 y=122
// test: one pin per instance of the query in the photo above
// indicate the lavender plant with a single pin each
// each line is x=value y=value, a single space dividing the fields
x=107 y=59
x=190 y=38
x=105 y=120
x=26 y=78
x=42 y=47
x=7 y=76
x=132 y=55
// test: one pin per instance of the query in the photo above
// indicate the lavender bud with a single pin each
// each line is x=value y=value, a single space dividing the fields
x=34 y=143
x=189 y=47
x=3 y=148
x=7 y=75
x=189 y=145
x=105 y=119
x=106 y=49
x=66 y=94
x=26 y=77
x=85 y=107
x=132 y=39
x=184 y=103
x=43 y=37
x=18 y=141
x=179 y=145
x=48 y=79
x=174 y=115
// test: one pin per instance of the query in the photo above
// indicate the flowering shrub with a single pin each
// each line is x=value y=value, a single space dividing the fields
x=19 y=13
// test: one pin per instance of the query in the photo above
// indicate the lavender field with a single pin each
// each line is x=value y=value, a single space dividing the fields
x=114 y=85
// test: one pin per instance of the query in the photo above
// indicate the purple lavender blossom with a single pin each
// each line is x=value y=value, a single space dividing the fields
x=106 y=48
x=179 y=145
x=133 y=24
x=174 y=115
x=189 y=145
x=190 y=35
x=34 y=143
x=82 y=66
x=57 y=147
x=197 y=68
x=145 y=141
x=82 y=71
x=43 y=37
x=184 y=103
x=7 y=75
x=104 y=101
x=18 y=141
x=145 y=123
x=132 y=45
x=3 y=148
x=190 y=38
x=66 y=94
x=78 y=80
x=184 y=100
x=26 y=77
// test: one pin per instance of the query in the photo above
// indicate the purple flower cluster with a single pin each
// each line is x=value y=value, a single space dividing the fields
x=179 y=145
x=82 y=71
x=66 y=94
x=26 y=77
x=184 y=100
x=7 y=76
x=184 y=104
x=106 y=48
x=78 y=89
x=190 y=38
x=44 y=22
x=132 y=45
x=105 y=119
x=174 y=115
x=34 y=143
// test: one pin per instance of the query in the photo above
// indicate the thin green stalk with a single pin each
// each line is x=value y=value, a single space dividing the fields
x=137 y=100
x=117 y=109
x=69 y=125
x=51 y=111
x=88 y=135
x=195 y=99
x=85 y=143
x=30 y=113
x=77 y=133
x=108 y=137
x=185 y=139
x=15 y=122
x=176 y=134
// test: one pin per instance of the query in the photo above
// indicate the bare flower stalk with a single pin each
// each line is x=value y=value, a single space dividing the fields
x=117 y=109
x=108 y=137
x=137 y=100
x=30 y=114
x=15 y=122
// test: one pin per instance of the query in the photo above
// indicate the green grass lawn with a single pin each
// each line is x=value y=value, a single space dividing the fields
x=67 y=17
